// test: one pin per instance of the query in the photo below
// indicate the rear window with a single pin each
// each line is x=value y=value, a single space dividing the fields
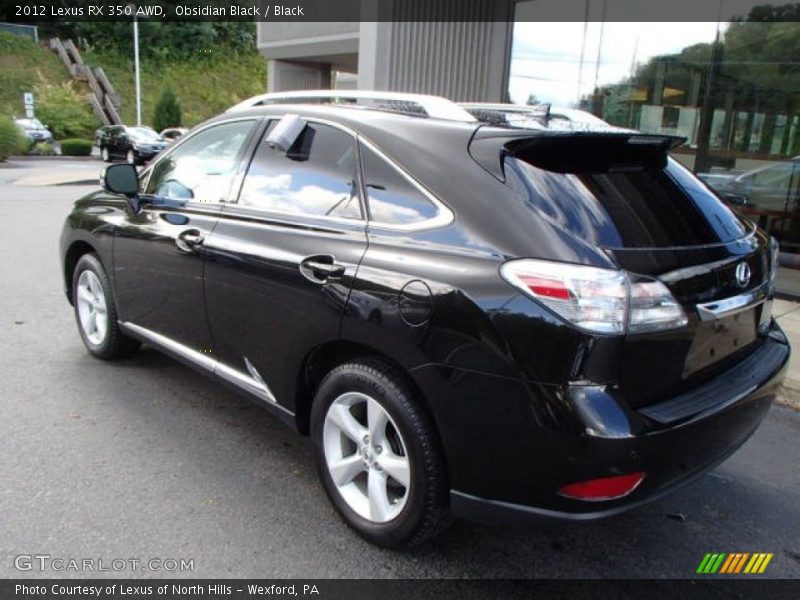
x=630 y=206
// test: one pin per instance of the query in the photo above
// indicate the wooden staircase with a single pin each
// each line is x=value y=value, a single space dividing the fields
x=104 y=100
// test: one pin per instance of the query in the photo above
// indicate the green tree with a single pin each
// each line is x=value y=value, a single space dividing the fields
x=64 y=110
x=11 y=139
x=167 y=110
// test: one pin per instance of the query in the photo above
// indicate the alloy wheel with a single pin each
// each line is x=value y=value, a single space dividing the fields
x=92 y=308
x=366 y=457
x=105 y=155
x=131 y=157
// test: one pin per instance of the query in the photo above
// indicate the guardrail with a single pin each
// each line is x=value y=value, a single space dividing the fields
x=105 y=102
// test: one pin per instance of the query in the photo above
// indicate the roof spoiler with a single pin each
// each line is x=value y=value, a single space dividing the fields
x=565 y=151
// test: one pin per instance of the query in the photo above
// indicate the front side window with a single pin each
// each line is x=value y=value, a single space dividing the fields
x=392 y=198
x=316 y=176
x=202 y=168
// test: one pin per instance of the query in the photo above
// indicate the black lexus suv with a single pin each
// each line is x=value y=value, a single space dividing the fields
x=471 y=315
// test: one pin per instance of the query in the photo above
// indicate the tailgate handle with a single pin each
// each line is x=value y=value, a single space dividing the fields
x=719 y=309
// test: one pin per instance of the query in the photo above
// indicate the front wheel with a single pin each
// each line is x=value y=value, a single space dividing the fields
x=104 y=154
x=95 y=311
x=378 y=455
x=131 y=157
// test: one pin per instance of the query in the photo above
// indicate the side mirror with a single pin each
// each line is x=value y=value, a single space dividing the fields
x=121 y=179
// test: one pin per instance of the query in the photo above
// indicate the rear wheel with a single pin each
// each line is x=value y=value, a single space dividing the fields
x=378 y=455
x=95 y=312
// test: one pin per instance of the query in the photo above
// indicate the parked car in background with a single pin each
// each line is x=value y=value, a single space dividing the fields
x=133 y=144
x=173 y=134
x=772 y=187
x=34 y=130
x=468 y=317
x=100 y=133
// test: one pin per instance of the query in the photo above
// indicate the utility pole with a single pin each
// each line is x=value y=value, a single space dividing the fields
x=136 y=66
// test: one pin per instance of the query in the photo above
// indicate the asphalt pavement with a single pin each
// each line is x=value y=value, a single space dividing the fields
x=146 y=459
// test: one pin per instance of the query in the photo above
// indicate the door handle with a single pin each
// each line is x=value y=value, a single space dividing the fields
x=320 y=268
x=188 y=240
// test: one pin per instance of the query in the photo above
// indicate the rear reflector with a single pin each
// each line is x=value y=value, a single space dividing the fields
x=605 y=488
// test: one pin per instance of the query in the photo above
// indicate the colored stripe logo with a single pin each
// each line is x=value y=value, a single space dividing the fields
x=734 y=563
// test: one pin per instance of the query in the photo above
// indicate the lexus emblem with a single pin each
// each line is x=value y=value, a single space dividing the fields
x=742 y=274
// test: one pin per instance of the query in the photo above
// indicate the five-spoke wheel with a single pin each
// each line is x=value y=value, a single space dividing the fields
x=366 y=457
x=92 y=307
x=378 y=454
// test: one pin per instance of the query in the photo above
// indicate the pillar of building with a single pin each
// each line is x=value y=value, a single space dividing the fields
x=463 y=61
x=284 y=75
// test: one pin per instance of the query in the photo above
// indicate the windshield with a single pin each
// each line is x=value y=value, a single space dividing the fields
x=30 y=123
x=644 y=206
x=143 y=134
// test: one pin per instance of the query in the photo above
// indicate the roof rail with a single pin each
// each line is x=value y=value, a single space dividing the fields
x=419 y=104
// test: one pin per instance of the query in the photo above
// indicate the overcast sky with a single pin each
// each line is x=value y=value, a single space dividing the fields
x=546 y=57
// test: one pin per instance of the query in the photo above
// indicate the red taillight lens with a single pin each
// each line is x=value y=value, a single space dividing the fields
x=605 y=488
x=594 y=299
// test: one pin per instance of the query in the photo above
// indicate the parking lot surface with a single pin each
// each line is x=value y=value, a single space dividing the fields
x=147 y=459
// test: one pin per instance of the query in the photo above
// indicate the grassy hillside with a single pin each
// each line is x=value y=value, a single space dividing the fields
x=204 y=86
x=23 y=64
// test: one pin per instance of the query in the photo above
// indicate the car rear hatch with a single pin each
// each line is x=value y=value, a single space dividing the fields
x=620 y=192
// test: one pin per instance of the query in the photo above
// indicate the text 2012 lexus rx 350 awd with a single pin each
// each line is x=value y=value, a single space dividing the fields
x=472 y=314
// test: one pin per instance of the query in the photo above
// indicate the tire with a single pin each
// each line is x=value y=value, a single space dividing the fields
x=395 y=515
x=130 y=157
x=98 y=328
x=104 y=154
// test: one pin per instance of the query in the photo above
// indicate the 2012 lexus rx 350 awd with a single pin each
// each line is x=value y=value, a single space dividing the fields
x=471 y=314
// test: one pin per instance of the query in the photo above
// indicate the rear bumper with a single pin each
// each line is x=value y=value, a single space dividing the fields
x=671 y=443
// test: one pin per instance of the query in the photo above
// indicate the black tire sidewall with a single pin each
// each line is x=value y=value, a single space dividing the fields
x=399 y=404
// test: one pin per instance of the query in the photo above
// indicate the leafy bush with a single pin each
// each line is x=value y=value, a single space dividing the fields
x=64 y=110
x=167 y=111
x=12 y=141
x=42 y=149
x=76 y=147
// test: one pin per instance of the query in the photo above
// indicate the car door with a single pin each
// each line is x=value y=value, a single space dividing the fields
x=158 y=252
x=282 y=259
x=117 y=140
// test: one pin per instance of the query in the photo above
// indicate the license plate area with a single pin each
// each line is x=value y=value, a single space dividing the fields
x=717 y=339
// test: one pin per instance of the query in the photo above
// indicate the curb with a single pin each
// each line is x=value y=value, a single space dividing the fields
x=28 y=158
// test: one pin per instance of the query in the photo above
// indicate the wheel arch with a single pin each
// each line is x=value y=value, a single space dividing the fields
x=73 y=254
x=325 y=357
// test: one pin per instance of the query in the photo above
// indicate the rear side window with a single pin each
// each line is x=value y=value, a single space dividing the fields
x=393 y=199
x=316 y=176
x=641 y=206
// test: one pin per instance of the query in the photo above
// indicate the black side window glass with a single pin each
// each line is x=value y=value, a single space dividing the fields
x=316 y=176
x=392 y=198
x=202 y=168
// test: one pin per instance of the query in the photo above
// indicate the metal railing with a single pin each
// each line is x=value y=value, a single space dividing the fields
x=418 y=104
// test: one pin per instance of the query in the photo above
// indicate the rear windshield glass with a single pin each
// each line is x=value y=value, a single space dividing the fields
x=635 y=207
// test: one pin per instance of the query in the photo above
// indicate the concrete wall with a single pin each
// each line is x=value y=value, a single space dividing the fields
x=465 y=61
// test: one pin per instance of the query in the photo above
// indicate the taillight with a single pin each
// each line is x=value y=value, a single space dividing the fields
x=594 y=299
x=605 y=488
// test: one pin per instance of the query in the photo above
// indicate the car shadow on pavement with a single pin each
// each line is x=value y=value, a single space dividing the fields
x=260 y=465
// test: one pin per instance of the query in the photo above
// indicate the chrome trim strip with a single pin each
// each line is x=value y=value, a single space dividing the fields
x=719 y=309
x=248 y=384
